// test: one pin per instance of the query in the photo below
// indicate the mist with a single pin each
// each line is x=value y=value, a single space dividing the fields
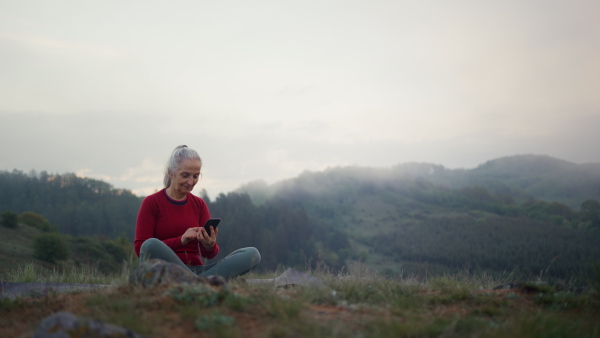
x=267 y=90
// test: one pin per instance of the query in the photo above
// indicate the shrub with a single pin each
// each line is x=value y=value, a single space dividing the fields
x=37 y=221
x=50 y=247
x=9 y=219
x=115 y=251
x=106 y=254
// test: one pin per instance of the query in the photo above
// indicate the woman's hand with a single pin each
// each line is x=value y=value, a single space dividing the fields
x=189 y=234
x=208 y=241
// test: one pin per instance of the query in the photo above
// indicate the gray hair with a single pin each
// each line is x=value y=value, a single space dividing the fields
x=179 y=154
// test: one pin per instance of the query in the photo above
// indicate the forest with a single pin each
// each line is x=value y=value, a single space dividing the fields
x=400 y=220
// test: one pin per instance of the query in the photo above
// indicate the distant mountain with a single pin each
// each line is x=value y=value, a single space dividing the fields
x=510 y=212
x=522 y=177
x=544 y=177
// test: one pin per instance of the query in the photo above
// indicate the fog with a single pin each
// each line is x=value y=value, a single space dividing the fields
x=269 y=89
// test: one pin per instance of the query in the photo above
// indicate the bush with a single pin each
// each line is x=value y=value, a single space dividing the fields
x=115 y=251
x=9 y=219
x=50 y=247
x=108 y=255
x=37 y=221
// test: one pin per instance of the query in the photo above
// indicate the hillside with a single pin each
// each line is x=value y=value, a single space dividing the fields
x=522 y=177
x=403 y=220
x=408 y=219
x=76 y=206
x=16 y=249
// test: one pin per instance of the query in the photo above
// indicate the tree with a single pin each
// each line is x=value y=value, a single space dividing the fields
x=590 y=211
x=9 y=219
x=50 y=247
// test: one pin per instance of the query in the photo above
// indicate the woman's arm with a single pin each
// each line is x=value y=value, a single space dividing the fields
x=145 y=227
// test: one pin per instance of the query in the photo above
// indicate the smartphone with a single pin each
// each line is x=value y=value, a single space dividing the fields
x=211 y=221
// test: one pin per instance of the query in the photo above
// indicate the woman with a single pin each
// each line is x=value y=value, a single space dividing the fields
x=170 y=223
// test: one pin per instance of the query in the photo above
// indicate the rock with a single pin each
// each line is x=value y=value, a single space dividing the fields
x=65 y=325
x=216 y=280
x=157 y=272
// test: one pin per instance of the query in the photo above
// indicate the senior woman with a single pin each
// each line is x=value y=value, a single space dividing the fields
x=170 y=224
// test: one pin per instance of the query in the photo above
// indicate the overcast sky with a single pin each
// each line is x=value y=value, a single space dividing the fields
x=268 y=89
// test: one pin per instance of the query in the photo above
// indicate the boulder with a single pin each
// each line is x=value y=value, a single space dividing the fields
x=65 y=324
x=157 y=272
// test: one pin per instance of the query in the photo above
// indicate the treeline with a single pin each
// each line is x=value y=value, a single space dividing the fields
x=338 y=195
x=492 y=244
x=76 y=206
x=282 y=231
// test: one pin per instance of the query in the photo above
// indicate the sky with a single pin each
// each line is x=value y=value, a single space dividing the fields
x=267 y=89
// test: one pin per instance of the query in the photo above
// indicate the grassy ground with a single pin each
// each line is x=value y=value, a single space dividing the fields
x=16 y=247
x=356 y=303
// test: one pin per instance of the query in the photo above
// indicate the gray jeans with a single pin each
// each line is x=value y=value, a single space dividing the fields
x=235 y=264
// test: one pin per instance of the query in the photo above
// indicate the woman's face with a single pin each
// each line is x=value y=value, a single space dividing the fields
x=186 y=177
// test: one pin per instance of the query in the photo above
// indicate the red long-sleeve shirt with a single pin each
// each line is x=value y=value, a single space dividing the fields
x=166 y=219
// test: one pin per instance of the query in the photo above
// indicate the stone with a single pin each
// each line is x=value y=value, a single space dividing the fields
x=65 y=324
x=158 y=272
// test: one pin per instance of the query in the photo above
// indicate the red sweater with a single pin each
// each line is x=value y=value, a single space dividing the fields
x=166 y=219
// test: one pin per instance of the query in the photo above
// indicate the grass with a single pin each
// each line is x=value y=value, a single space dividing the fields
x=16 y=245
x=355 y=303
x=33 y=272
